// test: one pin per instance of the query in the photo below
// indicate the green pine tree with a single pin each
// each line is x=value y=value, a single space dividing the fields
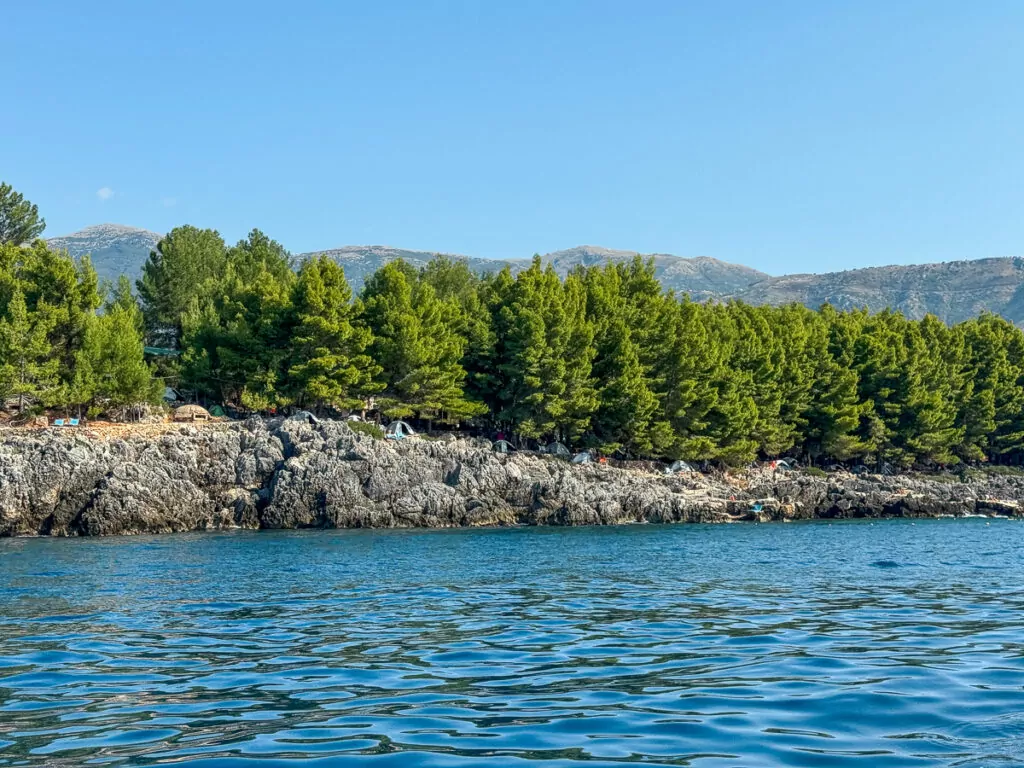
x=182 y=269
x=28 y=370
x=416 y=343
x=329 y=364
x=832 y=419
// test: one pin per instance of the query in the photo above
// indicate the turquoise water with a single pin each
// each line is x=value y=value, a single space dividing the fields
x=855 y=644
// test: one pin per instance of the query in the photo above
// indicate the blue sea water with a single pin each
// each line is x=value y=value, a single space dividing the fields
x=851 y=644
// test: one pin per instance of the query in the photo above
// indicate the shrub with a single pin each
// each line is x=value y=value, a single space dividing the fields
x=366 y=428
x=999 y=469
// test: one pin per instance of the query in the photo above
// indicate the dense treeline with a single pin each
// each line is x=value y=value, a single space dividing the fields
x=602 y=358
x=60 y=344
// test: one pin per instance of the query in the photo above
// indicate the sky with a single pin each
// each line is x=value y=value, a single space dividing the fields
x=788 y=136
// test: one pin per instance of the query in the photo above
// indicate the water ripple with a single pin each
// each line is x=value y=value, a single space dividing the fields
x=799 y=645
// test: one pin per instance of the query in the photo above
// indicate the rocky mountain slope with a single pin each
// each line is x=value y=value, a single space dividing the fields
x=953 y=291
x=361 y=261
x=701 y=277
x=115 y=249
x=300 y=473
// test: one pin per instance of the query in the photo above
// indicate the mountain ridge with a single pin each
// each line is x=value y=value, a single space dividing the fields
x=952 y=290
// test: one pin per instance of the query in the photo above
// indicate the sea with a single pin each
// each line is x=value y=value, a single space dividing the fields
x=862 y=643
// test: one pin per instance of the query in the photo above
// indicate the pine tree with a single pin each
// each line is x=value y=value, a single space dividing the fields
x=68 y=290
x=121 y=297
x=687 y=372
x=732 y=421
x=329 y=364
x=880 y=357
x=120 y=373
x=758 y=356
x=579 y=400
x=930 y=432
x=533 y=335
x=626 y=405
x=416 y=344
x=28 y=369
x=19 y=219
x=832 y=418
x=1006 y=377
x=181 y=270
x=453 y=281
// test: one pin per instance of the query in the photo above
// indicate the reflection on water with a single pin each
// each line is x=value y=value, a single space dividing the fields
x=885 y=644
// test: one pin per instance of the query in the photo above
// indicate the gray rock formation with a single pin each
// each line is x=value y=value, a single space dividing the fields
x=297 y=473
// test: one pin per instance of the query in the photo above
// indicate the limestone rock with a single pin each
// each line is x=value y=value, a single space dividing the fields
x=301 y=472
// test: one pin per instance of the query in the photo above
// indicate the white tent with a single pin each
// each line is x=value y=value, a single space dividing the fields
x=679 y=467
x=503 y=446
x=583 y=457
x=557 y=449
x=399 y=430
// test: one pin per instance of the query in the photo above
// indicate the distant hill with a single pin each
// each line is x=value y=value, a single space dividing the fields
x=361 y=261
x=953 y=291
x=116 y=250
x=701 y=277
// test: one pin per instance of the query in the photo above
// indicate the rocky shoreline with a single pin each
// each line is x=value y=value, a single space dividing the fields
x=299 y=473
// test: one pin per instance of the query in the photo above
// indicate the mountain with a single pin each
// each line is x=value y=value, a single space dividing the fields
x=116 y=250
x=953 y=291
x=361 y=261
x=701 y=277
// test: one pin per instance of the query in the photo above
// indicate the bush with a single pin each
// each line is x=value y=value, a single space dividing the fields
x=366 y=428
x=999 y=469
x=815 y=472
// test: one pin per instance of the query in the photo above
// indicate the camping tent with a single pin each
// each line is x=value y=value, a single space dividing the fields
x=679 y=467
x=305 y=416
x=503 y=446
x=582 y=458
x=399 y=430
x=557 y=449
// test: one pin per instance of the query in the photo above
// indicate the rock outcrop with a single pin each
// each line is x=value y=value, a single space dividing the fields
x=301 y=473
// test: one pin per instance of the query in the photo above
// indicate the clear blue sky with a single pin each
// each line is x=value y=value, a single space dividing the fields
x=789 y=136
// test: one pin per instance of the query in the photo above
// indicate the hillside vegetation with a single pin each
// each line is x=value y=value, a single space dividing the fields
x=597 y=355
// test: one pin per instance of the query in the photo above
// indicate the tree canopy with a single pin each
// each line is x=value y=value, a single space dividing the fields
x=19 y=219
x=601 y=358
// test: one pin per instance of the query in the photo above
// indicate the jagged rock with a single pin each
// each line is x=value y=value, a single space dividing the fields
x=305 y=473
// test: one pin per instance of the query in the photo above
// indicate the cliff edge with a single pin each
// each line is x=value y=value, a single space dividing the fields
x=301 y=473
